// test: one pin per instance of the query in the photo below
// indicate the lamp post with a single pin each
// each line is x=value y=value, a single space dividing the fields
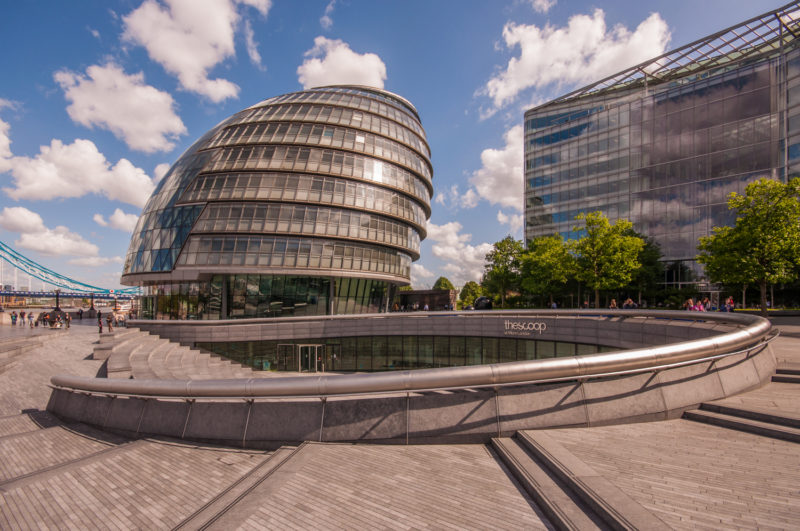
x=57 y=308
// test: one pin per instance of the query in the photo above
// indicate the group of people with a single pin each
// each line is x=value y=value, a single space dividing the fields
x=627 y=305
x=112 y=320
x=44 y=318
x=705 y=305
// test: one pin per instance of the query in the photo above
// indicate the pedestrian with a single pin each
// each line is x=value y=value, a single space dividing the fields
x=613 y=305
x=14 y=318
x=30 y=319
x=22 y=318
x=67 y=319
x=80 y=314
x=108 y=323
x=100 y=324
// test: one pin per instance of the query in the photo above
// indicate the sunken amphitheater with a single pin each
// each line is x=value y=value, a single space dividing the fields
x=312 y=406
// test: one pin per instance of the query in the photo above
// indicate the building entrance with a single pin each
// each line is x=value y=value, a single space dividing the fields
x=311 y=358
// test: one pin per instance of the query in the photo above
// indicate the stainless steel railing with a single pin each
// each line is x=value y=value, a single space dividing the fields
x=748 y=332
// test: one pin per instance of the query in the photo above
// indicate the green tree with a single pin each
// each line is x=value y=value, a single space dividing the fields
x=607 y=257
x=405 y=288
x=650 y=276
x=501 y=272
x=546 y=266
x=763 y=247
x=443 y=283
x=471 y=291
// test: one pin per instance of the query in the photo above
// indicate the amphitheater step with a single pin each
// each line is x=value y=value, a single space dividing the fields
x=555 y=499
x=758 y=427
x=227 y=499
x=616 y=509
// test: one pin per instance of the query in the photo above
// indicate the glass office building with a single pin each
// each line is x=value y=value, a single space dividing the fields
x=664 y=143
x=309 y=203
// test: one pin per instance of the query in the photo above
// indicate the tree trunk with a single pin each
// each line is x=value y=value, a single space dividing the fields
x=762 y=284
x=597 y=299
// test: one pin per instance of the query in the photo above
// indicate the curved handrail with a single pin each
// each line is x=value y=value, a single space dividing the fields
x=751 y=330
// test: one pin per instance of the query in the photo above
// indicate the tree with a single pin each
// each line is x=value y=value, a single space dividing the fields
x=502 y=268
x=471 y=291
x=651 y=274
x=607 y=257
x=546 y=266
x=763 y=246
x=405 y=288
x=443 y=283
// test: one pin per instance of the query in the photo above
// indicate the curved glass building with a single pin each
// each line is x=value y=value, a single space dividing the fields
x=309 y=203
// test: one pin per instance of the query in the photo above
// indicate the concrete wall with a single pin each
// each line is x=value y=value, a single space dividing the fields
x=444 y=416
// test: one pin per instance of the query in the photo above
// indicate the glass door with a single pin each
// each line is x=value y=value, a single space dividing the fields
x=310 y=358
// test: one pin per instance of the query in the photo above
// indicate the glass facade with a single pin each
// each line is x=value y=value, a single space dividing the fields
x=666 y=148
x=391 y=353
x=309 y=203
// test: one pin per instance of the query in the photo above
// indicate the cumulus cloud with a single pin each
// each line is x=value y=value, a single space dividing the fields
x=71 y=170
x=464 y=261
x=160 y=171
x=35 y=236
x=332 y=62
x=96 y=261
x=453 y=197
x=420 y=276
x=583 y=51
x=500 y=177
x=514 y=221
x=542 y=6
x=189 y=38
x=326 y=21
x=136 y=113
x=118 y=220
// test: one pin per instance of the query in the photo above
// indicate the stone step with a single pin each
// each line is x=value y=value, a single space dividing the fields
x=788 y=368
x=147 y=484
x=26 y=422
x=228 y=498
x=786 y=378
x=555 y=499
x=761 y=415
x=617 y=509
x=766 y=429
x=27 y=453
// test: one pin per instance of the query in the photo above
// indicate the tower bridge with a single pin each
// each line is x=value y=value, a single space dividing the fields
x=63 y=286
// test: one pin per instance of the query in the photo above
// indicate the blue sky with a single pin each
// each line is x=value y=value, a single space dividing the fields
x=97 y=99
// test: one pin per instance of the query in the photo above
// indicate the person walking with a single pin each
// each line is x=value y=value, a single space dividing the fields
x=30 y=319
x=108 y=323
x=14 y=318
x=22 y=318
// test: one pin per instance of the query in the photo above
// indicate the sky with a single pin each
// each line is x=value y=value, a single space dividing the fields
x=99 y=98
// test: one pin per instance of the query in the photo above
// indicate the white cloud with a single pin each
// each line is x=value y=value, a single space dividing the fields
x=464 y=261
x=542 y=6
x=72 y=170
x=94 y=32
x=118 y=220
x=96 y=261
x=514 y=221
x=160 y=171
x=140 y=115
x=35 y=236
x=252 y=46
x=584 y=50
x=326 y=21
x=332 y=62
x=454 y=198
x=419 y=275
x=189 y=38
x=500 y=178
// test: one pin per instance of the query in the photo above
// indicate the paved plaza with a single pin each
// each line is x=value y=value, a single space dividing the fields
x=670 y=474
